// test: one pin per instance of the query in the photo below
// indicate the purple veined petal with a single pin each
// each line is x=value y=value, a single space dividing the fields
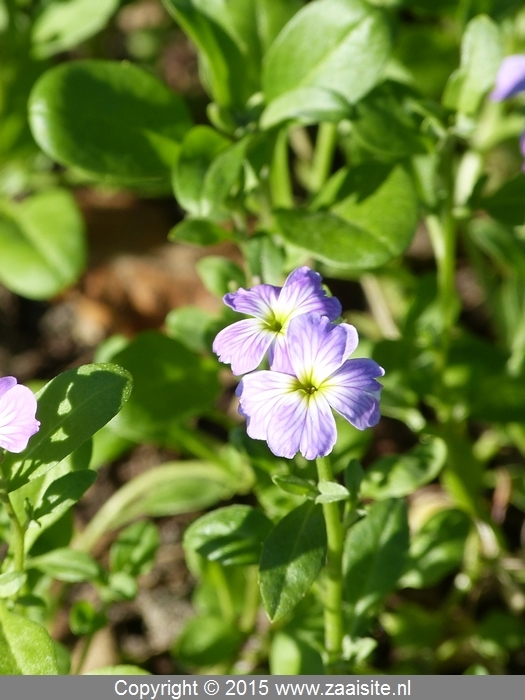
x=243 y=344
x=278 y=356
x=510 y=79
x=260 y=396
x=302 y=293
x=316 y=347
x=17 y=418
x=7 y=383
x=354 y=392
x=287 y=418
x=257 y=301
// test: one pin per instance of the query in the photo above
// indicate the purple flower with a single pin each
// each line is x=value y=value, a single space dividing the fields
x=17 y=415
x=510 y=79
x=245 y=343
x=509 y=82
x=292 y=410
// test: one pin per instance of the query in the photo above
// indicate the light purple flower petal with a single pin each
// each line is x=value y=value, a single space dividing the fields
x=510 y=79
x=17 y=416
x=354 y=392
x=6 y=383
x=317 y=348
x=284 y=415
x=243 y=344
x=302 y=293
x=257 y=301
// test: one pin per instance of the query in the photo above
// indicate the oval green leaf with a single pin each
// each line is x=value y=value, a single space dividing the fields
x=232 y=536
x=66 y=565
x=394 y=476
x=374 y=556
x=25 y=647
x=43 y=244
x=293 y=555
x=71 y=407
x=109 y=119
x=335 y=45
x=362 y=231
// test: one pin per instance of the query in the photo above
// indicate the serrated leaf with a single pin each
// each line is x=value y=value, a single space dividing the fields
x=292 y=557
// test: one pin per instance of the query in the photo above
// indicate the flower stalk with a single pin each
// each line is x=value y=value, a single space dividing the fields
x=333 y=603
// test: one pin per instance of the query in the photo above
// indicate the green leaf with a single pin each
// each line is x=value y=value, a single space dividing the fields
x=394 y=476
x=108 y=119
x=218 y=274
x=191 y=326
x=43 y=244
x=384 y=122
x=64 y=493
x=307 y=105
x=232 y=536
x=200 y=146
x=295 y=485
x=25 y=647
x=291 y=655
x=135 y=548
x=71 y=407
x=84 y=619
x=11 y=583
x=500 y=243
x=481 y=56
x=508 y=203
x=170 y=489
x=338 y=46
x=199 y=232
x=437 y=549
x=272 y=16
x=331 y=492
x=264 y=258
x=207 y=168
x=171 y=384
x=292 y=557
x=66 y=565
x=120 y=586
x=64 y=25
x=207 y=640
x=374 y=556
x=222 y=63
x=363 y=230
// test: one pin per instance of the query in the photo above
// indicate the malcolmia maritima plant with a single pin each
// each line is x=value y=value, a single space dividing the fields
x=290 y=404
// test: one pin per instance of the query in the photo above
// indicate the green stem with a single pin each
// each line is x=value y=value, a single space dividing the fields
x=442 y=234
x=333 y=615
x=18 y=530
x=222 y=590
x=280 y=183
x=323 y=155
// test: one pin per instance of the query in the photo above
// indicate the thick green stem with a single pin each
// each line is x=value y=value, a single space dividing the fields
x=323 y=155
x=280 y=183
x=18 y=531
x=333 y=602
